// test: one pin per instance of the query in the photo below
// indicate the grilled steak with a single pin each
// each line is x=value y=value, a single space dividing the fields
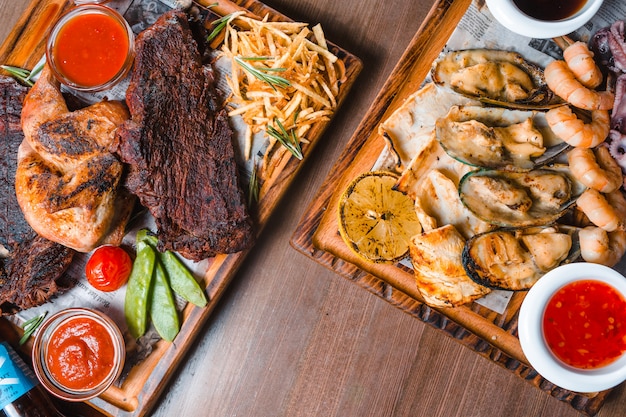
x=179 y=146
x=32 y=271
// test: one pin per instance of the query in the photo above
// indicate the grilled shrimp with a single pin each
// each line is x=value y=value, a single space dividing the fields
x=567 y=126
x=580 y=61
x=595 y=168
x=562 y=81
x=604 y=210
x=602 y=247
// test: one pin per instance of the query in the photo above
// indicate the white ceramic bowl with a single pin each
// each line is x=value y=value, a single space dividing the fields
x=531 y=334
x=511 y=17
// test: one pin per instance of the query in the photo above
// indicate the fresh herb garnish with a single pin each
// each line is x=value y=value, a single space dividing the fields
x=31 y=325
x=253 y=186
x=221 y=23
x=23 y=75
x=287 y=139
x=263 y=73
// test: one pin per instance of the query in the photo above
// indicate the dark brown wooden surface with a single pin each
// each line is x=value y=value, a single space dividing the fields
x=292 y=338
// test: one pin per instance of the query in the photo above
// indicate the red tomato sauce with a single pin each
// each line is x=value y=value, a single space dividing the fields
x=91 y=49
x=584 y=324
x=80 y=353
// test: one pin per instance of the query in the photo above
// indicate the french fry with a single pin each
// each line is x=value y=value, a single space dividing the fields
x=287 y=50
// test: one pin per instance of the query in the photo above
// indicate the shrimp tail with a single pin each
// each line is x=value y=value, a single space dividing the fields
x=603 y=210
x=580 y=61
x=567 y=126
x=562 y=81
x=602 y=247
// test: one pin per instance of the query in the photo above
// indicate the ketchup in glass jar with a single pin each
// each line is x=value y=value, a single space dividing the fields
x=584 y=324
x=78 y=353
x=90 y=48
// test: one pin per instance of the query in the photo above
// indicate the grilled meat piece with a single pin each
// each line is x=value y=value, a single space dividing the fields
x=179 y=145
x=34 y=267
x=13 y=226
x=33 y=274
x=67 y=180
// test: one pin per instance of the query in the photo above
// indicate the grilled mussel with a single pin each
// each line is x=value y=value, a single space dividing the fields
x=520 y=199
x=514 y=259
x=498 y=138
x=495 y=77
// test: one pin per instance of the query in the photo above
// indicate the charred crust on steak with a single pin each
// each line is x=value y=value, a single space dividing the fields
x=178 y=144
x=34 y=269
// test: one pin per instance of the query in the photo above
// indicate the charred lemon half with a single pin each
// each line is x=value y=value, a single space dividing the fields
x=375 y=220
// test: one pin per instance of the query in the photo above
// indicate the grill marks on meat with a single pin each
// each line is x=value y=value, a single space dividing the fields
x=67 y=181
x=33 y=274
x=179 y=146
x=34 y=269
x=13 y=226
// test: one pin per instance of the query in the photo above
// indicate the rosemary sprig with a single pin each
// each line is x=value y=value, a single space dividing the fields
x=23 y=75
x=287 y=139
x=253 y=186
x=263 y=73
x=221 y=23
x=31 y=325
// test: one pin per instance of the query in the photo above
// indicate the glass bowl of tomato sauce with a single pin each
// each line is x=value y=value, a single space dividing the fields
x=78 y=353
x=90 y=48
x=572 y=327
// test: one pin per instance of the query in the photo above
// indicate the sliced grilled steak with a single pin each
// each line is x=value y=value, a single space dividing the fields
x=34 y=268
x=179 y=146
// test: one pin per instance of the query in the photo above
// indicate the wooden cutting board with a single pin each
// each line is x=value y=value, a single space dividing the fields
x=488 y=333
x=24 y=47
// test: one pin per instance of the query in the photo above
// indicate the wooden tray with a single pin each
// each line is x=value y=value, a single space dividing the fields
x=24 y=47
x=491 y=335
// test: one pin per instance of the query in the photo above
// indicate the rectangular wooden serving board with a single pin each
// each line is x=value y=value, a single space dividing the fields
x=24 y=47
x=488 y=333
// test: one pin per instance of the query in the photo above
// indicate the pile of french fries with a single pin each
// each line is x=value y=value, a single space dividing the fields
x=289 y=50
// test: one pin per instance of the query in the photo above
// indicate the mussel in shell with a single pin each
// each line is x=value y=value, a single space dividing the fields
x=520 y=199
x=514 y=259
x=495 y=77
x=498 y=138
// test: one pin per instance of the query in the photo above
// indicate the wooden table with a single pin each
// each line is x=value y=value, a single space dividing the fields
x=291 y=338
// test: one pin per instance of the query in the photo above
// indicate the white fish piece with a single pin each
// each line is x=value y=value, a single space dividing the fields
x=410 y=128
x=438 y=198
x=439 y=274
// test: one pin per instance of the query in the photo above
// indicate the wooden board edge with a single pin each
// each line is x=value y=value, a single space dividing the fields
x=23 y=48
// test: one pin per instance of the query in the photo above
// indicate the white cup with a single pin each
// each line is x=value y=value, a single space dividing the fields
x=511 y=17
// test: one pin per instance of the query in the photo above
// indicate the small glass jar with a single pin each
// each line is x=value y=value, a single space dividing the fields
x=78 y=353
x=90 y=48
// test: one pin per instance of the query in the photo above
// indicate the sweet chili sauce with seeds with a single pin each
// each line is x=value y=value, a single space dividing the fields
x=584 y=324
x=91 y=49
x=550 y=9
x=80 y=353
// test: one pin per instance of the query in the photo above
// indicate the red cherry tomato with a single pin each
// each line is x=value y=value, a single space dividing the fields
x=108 y=268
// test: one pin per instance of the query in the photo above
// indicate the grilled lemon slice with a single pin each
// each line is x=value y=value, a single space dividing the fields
x=375 y=220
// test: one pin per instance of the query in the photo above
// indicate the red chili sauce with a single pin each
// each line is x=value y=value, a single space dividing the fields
x=584 y=324
x=91 y=49
x=80 y=353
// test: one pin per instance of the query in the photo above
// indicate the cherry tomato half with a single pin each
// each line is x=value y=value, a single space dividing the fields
x=108 y=268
